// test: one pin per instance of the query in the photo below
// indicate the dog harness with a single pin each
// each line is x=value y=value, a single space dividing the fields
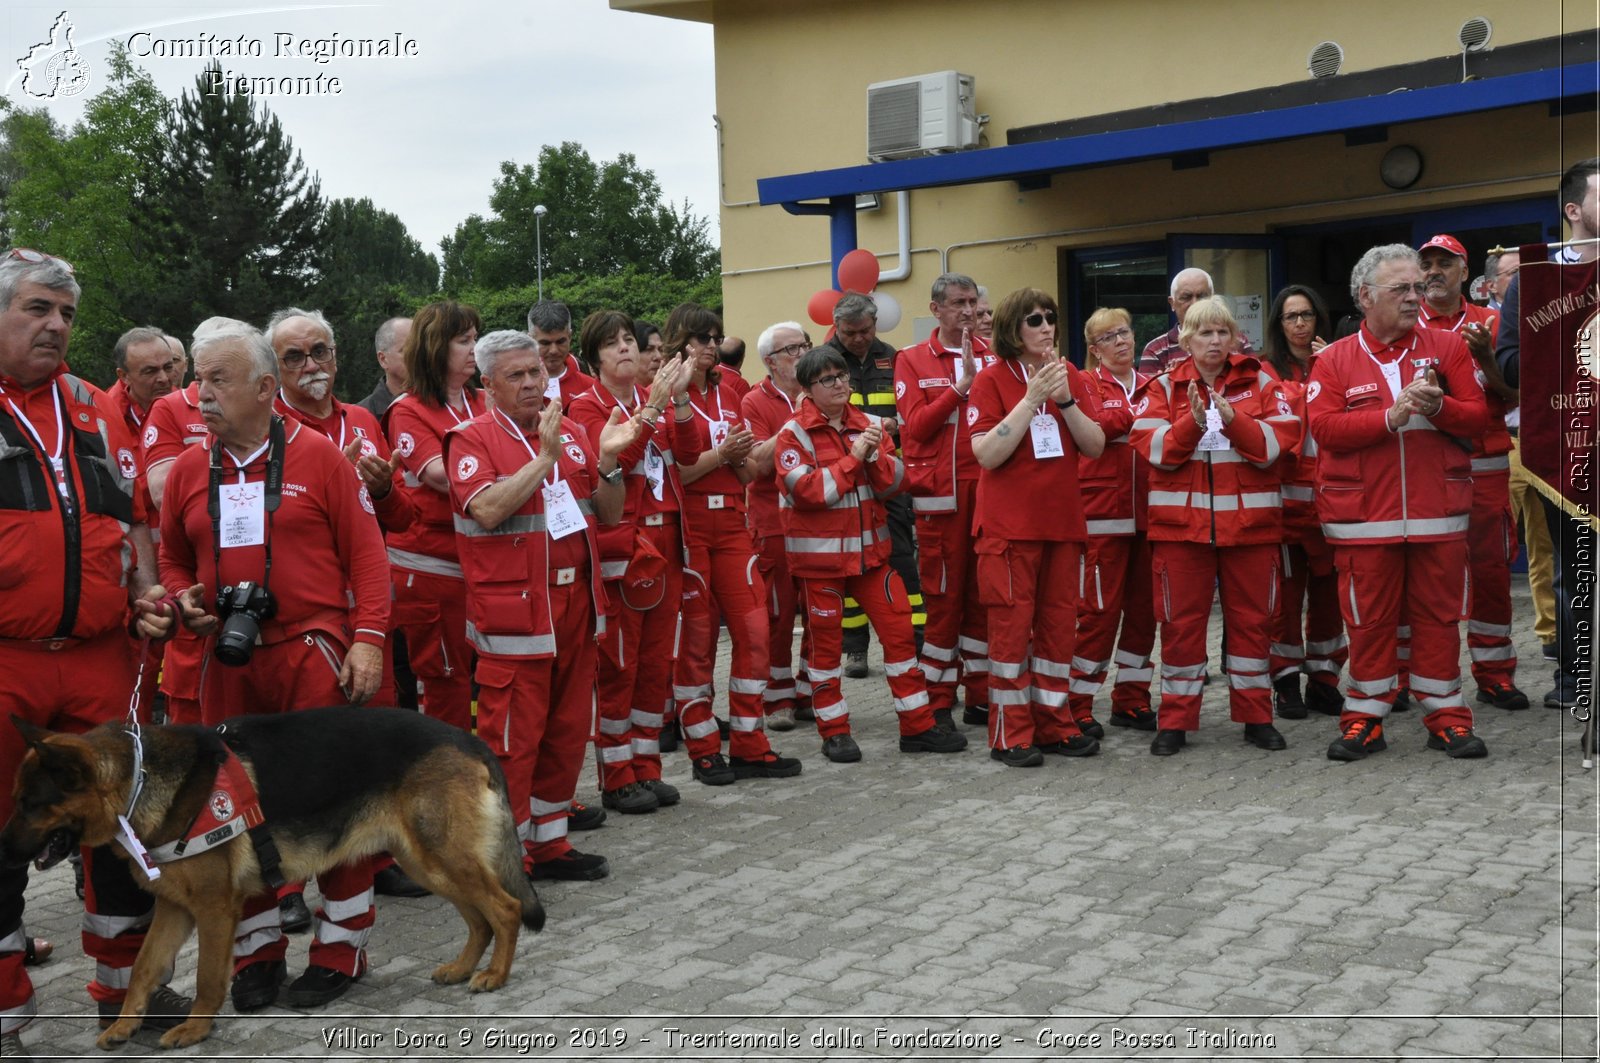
x=232 y=809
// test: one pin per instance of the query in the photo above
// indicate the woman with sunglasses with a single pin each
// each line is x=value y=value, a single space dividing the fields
x=1307 y=585
x=1029 y=428
x=723 y=569
x=1214 y=427
x=835 y=464
x=641 y=559
x=1116 y=585
x=430 y=595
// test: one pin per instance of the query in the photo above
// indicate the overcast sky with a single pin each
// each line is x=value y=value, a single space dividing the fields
x=423 y=135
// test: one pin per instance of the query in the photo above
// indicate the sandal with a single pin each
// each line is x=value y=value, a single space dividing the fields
x=36 y=951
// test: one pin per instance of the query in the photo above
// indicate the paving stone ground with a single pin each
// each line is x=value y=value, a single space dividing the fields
x=1226 y=903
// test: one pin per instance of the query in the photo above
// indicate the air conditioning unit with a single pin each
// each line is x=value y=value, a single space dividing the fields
x=923 y=115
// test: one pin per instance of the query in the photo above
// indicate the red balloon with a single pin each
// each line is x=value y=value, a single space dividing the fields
x=858 y=271
x=820 y=307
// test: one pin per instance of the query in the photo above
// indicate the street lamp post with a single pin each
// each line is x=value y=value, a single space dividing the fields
x=538 y=243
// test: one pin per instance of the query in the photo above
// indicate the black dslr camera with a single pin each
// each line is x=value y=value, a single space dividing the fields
x=242 y=608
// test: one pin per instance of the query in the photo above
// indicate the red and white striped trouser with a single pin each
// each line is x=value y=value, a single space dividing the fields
x=431 y=611
x=955 y=640
x=635 y=674
x=1031 y=589
x=1309 y=589
x=788 y=686
x=882 y=596
x=1116 y=589
x=1492 y=543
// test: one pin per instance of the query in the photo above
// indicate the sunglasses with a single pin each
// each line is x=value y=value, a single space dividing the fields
x=28 y=254
x=1040 y=317
x=706 y=339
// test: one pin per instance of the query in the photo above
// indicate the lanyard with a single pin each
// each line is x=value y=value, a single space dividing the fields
x=707 y=417
x=513 y=427
x=240 y=466
x=297 y=409
x=57 y=466
x=466 y=401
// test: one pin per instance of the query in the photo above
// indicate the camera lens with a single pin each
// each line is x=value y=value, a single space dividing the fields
x=237 y=640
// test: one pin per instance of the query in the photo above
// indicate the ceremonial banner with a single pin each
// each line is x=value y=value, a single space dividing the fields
x=1560 y=370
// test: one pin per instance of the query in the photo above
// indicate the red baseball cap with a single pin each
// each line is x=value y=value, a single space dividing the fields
x=1448 y=242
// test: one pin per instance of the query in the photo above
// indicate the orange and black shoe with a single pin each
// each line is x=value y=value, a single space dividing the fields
x=1458 y=742
x=1361 y=736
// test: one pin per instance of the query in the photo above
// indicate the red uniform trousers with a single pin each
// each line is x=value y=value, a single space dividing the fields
x=635 y=673
x=180 y=677
x=75 y=686
x=1116 y=588
x=1431 y=578
x=1307 y=586
x=787 y=686
x=1492 y=542
x=882 y=595
x=298 y=673
x=431 y=611
x=1185 y=576
x=955 y=640
x=537 y=715
x=723 y=568
x=1031 y=588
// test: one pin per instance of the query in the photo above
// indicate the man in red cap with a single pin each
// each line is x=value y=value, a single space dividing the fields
x=1491 y=534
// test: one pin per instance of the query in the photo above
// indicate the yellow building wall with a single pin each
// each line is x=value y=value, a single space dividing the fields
x=791 y=97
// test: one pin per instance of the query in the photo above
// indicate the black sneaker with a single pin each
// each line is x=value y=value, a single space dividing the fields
x=666 y=793
x=1092 y=728
x=1550 y=651
x=1168 y=741
x=393 y=882
x=771 y=765
x=256 y=986
x=713 y=770
x=1359 y=737
x=584 y=817
x=1018 y=756
x=1324 y=698
x=1286 y=698
x=319 y=986
x=165 y=1009
x=570 y=866
x=944 y=719
x=805 y=713
x=294 y=917
x=1560 y=698
x=1503 y=696
x=933 y=740
x=976 y=715
x=1264 y=736
x=1458 y=742
x=855 y=665
x=1076 y=746
x=630 y=800
x=670 y=737
x=1141 y=719
x=1402 y=700
x=841 y=749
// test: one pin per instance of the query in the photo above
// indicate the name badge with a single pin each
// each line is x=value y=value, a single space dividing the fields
x=552 y=388
x=1214 y=439
x=561 y=513
x=719 y=433
x=655 y=471
x=716 y=501
x=244 y=515
x=1046 y=436
x=1391 y=376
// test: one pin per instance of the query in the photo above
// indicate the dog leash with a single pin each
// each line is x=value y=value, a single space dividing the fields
x=125 y=832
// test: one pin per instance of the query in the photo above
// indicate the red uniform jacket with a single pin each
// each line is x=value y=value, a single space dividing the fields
x=935 y=435
x=416 y=430
x=509 y=568
x=766 y=409
x=1489 y=450
x=835 y=523
x=1226 y=497
x=323 y=541
x=1378 y=486
x=1028 y=498
x=667 y=438
x=394 y=510
x=173 y=426
x=571 y=383
x=1115 y=485
x=53 y=585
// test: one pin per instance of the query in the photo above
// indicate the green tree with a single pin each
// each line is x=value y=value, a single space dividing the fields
x=603 y=218
x=232 y=211
x=73 y=195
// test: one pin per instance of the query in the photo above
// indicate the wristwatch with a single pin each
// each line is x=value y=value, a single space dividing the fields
x=613 y=477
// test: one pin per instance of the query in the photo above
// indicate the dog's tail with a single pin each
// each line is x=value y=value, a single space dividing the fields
x=513 y=874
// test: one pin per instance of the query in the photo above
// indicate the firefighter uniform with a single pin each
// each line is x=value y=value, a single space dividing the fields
x=942 y=479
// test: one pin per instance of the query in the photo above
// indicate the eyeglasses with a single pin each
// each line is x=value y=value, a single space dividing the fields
x=706 y=339
x=1111 y=337
x=794 y=350
x=1401 y=289
x=833 y=380
x=322 y=354
x=28 y=254
x=1040 y=317
x=1299 y=317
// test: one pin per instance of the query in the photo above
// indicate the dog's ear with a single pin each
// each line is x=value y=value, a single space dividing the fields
x=32 y=735
x=66 y=759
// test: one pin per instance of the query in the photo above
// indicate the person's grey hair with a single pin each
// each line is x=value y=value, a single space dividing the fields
x=853 y=307
x=1368 y=264
x=215 y=331
x=383 y=339
x=52 y=273
x=1172 y=289
x=547 y=315
x=280 y=316
x=983 y=292
x=490 y=347
x=765 y=340
x=138 y=334
x=1491 y=261
x=946 y=281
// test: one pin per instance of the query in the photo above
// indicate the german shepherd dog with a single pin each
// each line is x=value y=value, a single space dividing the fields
x=334 y=785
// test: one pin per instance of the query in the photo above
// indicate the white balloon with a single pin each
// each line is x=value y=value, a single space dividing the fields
x=888 y=311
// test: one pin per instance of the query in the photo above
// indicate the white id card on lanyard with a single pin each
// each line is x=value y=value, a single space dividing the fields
x=1214 y=439
x=552 y=388
x=1046 y=436
x=655 y=471
x=719 y=433
x=561 y=513
x=244 y=515
x=1391 y=376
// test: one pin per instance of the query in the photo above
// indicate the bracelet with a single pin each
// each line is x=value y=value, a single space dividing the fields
x=1069 y=404
x=653 y=406
x=681 y=403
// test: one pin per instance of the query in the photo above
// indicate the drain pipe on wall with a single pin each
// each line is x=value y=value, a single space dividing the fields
x=722 y=183
x=905 y=250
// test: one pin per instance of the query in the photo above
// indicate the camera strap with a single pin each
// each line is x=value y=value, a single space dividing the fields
x=275 y=448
